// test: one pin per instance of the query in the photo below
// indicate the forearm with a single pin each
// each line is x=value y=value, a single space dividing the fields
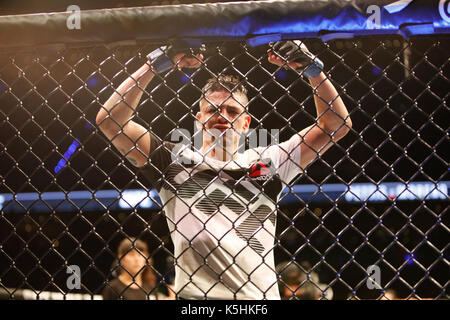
x=120 y=107
x=332 y=115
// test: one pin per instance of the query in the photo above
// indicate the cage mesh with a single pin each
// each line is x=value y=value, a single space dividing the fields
x=68 y=197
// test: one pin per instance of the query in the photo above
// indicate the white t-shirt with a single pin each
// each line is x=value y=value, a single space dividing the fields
x=222 y=216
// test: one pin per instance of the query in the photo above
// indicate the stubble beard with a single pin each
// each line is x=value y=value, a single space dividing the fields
x=223 y=143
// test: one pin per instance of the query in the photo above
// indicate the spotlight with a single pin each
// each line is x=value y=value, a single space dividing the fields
x=281 y=74
x=185 y=77
x=92 y=82
x=409 y=258
x=72 y=148
x=376 y=71
x=89 y=125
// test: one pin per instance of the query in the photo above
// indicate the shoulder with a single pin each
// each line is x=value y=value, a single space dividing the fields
x=114 y=283
x=259 y=152
x=111 y=289
x=170 y=148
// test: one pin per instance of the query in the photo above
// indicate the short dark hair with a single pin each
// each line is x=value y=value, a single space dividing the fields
x=291 y=273
x=129 y=244
x=225 y=82
x=126 y=245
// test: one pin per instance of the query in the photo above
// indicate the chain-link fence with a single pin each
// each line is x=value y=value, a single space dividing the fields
x=376 y=199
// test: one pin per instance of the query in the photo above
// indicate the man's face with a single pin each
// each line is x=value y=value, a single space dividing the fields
x=222 y=111
x=133 y=261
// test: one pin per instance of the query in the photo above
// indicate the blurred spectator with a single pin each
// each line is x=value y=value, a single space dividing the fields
x=164 y=292
x=295 y=283
x=390 y=294
x=135 y=279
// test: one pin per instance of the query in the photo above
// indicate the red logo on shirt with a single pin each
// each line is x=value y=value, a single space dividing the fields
x=259 y=169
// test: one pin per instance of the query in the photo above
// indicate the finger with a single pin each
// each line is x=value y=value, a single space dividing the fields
x=195 y=60
x=179 y=57
x=195 y=64
x=192 y=62
x=273 y=59
x=198 y=59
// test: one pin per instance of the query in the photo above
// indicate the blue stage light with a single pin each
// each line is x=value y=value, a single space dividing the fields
x=69 y=152
x=409 y=258
x=92 y=82
x=281 y=74
x=185 y=77
x=89 y=125
x=377 y=71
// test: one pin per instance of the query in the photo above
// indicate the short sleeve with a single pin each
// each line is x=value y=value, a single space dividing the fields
x=286 y=158
x=159 y=160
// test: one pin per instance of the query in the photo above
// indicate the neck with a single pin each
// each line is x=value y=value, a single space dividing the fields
x=226 y=151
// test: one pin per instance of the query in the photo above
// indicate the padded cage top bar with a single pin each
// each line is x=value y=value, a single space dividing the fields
x=236 y=20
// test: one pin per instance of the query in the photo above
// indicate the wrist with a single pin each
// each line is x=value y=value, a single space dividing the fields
x=159 y=61
x=314 y=69
x=316 y=82
x=143 y=75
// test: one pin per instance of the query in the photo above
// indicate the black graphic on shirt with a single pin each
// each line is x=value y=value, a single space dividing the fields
x=237 y=201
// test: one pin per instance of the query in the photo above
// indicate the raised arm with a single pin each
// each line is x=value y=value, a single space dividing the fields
x=115 y=117
x=333 y=121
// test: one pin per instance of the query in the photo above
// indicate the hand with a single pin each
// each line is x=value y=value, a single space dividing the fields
x=294 y=54
x=279 y=61
x=179 y=54
x=182 y=60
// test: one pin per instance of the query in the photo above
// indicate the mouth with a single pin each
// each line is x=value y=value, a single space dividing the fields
x=221 y=127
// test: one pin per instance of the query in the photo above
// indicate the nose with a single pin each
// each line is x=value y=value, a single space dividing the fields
x=224 y=117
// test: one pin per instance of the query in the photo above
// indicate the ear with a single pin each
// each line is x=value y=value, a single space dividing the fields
x=247 y=121
x=198 y=123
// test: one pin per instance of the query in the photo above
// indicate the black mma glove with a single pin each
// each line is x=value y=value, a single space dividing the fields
x=162 y=58
x=296 y=51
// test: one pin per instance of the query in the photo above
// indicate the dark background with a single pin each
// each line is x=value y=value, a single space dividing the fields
x=49 y=99
x=400 y=125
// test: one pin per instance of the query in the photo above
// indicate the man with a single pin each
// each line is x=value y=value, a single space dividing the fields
x=134 y=276
x=132 y=266
x=300 y=282
x=220 y=204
